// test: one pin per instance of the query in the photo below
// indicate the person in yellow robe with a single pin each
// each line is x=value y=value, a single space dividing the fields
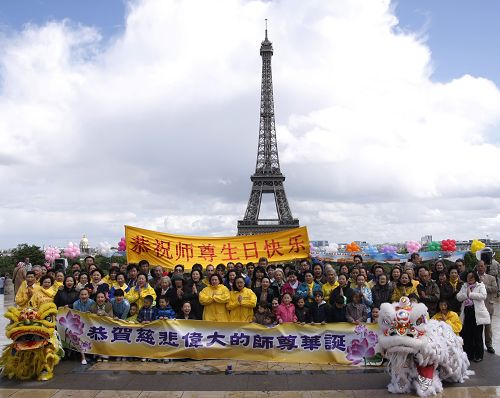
x=141 y=290
x=450 y=317
x=26 y=290
x=59 y=281
x=330 y=284
x=45 y=293
x=214 y=299
x=404 y=287
x=241 y=303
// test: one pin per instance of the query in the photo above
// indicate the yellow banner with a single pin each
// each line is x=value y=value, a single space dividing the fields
x=168 y=250
x=341 y=343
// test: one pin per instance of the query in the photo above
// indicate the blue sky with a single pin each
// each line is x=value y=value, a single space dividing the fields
x=463 y=35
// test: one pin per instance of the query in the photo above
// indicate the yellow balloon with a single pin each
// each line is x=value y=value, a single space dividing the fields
x=476 y=246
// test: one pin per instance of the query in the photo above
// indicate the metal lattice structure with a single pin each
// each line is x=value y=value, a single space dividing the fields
x=267 y=178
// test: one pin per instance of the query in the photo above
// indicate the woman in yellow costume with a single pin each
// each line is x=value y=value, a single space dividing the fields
x=404 y=287
x=27 y=290
x=241 y=303
x=111 y=278
x=214 y=299
x=44 y=294
x=59 y=281
x=450 y=317
x=141 y=290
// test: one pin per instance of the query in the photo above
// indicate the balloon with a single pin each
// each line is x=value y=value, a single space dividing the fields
x=105 y=249
x=333 y=247
x=353 y=247
x=413 y=246
x=476 y=245
x=371 y=250
x=448 y=245
x=72 y=251
x=122 y=245
x=434 y=247
x=51 y=253
x=388 y=249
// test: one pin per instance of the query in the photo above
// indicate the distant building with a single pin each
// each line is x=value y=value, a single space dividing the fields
x=319 y=243
x=84 y=245
x=426 y=239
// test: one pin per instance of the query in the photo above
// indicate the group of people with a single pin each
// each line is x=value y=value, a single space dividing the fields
x=269 y=295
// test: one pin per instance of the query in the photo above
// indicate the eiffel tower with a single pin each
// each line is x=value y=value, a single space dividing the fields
x=267 y=178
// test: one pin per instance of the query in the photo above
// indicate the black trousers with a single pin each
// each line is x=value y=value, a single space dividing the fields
x=472 y=334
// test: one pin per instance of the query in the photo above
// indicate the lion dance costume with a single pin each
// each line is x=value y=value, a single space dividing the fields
x=421 y=352
x=35 y=349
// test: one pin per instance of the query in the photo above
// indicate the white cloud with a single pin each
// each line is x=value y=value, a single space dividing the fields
x=158 y=127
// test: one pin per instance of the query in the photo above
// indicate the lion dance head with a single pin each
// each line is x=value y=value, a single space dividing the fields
x=421 y=352
x=35 y=347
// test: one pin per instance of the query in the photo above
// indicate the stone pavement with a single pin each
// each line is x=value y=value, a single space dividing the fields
x=249 y=379
x=452 y=392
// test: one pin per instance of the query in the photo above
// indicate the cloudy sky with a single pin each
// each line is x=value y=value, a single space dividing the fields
x=146 y=113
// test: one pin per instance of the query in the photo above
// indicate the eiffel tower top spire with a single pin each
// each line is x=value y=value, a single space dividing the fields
x=267 y=178
x=267 y=152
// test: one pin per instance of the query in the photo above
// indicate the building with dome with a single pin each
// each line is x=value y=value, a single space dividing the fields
x=84 y=245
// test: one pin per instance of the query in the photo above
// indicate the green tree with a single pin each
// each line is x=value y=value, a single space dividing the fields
x=470 y=260
x=7 y=264
x=24 y=250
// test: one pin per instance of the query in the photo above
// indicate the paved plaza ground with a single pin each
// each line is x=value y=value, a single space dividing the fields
x=249 y=379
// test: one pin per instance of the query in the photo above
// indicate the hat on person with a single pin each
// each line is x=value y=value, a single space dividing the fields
x=177 y=277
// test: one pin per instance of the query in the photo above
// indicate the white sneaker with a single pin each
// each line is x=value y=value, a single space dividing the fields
x=84 y=362
x=143 y=360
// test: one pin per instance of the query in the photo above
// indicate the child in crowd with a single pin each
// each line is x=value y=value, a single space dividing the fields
x=301 y=311
x=414 y=298
x=286 y=310
x=374 y=317
x=338 y=310
x=147 y=313
x=83 y=304
x=274 y=306
x=121 y=307
x=356 y=311
x=318 y=310
x=165 y=310
x=102 y=306
x=186 y=311
x=132 y=313
x=263 y=315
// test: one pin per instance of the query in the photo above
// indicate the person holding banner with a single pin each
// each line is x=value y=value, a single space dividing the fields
x=214 y=299
x=241 y=303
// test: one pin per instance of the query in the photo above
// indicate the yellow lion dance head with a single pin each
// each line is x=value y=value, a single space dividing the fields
x=35 y=348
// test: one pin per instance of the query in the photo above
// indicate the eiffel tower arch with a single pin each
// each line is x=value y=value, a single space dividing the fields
x=267 y=178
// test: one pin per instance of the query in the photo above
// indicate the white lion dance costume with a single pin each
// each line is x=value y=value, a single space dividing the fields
x=421 y=352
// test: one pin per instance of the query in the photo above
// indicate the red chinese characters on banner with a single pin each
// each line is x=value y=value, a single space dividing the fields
x=172 y=249
x=207 y=252
x=230 y=252
x=184 y=251
x=251 y=250
x=296 y=244
x=140 y=244
x=272 y=248
x=162 y=249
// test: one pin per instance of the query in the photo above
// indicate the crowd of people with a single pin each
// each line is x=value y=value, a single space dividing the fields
x=271 y=294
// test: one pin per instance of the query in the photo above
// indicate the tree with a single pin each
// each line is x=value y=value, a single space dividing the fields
x=470 y=260
x=24 y=250
x=7 y=264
